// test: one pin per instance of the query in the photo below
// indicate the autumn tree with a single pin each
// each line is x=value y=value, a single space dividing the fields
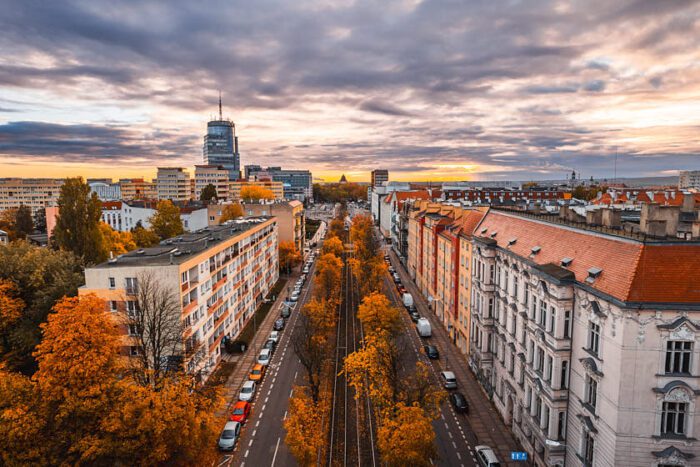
x=77 y=224
x=11 y=306
x=306 y=436
x=329 y=270
x=208 y=193
x=8 y=219
x=406 y=437
x=369 y=274
x=117 y=242
x=24 y=224
x=256 y=193
x=230 y=212
x=376 y=314
x=144 y=237
x=156 y=329
x=311 y=341
x=336 y=228
x=363 y=239
x=41 y=276
x=289 y=256
x=333 y=245
x=419 y=389
x=166 y=222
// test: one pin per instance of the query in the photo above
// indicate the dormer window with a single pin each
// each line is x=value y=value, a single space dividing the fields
x=593 y=274
x=512 y=241
x=566 y=262
x=535 y=250
x=484 y=230
x=493 y=234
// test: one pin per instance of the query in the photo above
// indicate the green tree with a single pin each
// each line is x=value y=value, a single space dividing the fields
x=24 y=225
x=144 y=237
x=41 y=276
x=166 y=222
x=40 y=221
x=208 y=193
x=78 y=222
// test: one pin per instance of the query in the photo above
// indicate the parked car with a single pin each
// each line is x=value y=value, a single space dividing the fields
x=431 y=352
x=459 y=402
x=257 y=372
x=486 y=457
x=264 y=357
x=286 y=312
x=270 y=344
x=279 y=324
x=247 y=391
x=240 y=412
x=295 y=296
x=274 y=336
x=415 y=316
x=229 y=436
x=448 y=380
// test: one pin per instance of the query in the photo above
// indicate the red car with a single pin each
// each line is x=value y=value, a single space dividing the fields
x=241 y=412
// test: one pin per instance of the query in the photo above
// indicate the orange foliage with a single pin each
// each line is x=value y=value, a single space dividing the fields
x=329 y=271
x=406 y=438
x=333 y=245
x=230 y=212
x=289 y=256
x=10 y=306
x=376 y=314
x=256 y=193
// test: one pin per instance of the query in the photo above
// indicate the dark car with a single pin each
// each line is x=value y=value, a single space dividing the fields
x=270 y=344
x=415 y=316
x=459 y=402
x=286 y=312
x=431 y=351
x=279 y=324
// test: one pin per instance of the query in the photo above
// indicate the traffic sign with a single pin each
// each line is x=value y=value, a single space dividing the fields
x=518 y=456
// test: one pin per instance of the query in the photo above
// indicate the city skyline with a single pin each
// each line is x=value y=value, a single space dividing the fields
x=488 y=91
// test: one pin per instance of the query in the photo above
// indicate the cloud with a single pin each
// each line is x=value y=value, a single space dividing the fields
x=597 y=85
x=385 y=108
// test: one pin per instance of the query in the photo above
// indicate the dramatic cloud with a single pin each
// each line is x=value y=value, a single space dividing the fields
x=427 y=89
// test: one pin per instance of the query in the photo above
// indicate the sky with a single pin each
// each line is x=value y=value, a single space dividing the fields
x=431 y=90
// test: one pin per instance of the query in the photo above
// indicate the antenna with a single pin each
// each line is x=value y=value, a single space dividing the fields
x=220 y=115
x=615 y=169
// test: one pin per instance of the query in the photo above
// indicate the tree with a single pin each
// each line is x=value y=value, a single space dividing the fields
x=306 y=436
x=256 y=193
x=41 y=277
x=418 y=389
x=328 y=278
x=11 y=306
x=230 y=212
x=156 y=330
x=333 y=245
x=117 y=242
x=77 y=224
x=208 y=193
x=376 y=314
x=406 y=438
x=8 y=219
x=369 y=274
x=289 y=256
x=144 y=237
x=311 y=341
x=336 y=228
x=24 y=225
x=40 y=220
x=362 y=238
x=166 y=222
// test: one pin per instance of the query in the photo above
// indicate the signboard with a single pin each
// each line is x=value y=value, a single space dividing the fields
x=518 y=456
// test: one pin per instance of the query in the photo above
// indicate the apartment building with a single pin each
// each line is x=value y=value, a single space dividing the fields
x=37 y=193
x=219 y=275
x=586 y=338
x=689 y=179
x=291 y=223
x=379 y=177
x=173 y=183
x=235 y=187
x=137 y=189
x=215 y=175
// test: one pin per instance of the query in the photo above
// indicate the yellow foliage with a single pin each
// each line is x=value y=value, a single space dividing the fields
x=256 y=193
x=406 y=437
x=115 y=241
x=376 y=314
x=329 y=274
x=10 y=306
x=289 y=256
x=305 y=432
x=333 y=245
x=230 y=212
x=369 y=274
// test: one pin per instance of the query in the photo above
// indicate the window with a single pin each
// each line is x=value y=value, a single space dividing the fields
x=539 y=360
x=131 y=285
x=545 y=418
x=678 y=354
x=548 y=369
x=533 y=308
x=543 y=314
x=564 y=383
x=133 y=330
x=591 y=391
x=561 y=425
x=112 y=283
x=490 y=313
x=134 y=351
x=593 y=337
x=552 y=319
x=588 y=447
x=673 y=418
x=567 y=324
x=112 y=305
x=131 y=307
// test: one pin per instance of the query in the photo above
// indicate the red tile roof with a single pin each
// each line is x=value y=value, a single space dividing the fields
x=632 y=271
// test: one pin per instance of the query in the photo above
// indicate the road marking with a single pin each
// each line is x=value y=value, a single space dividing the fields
x=450 y=434
x=295 y=374
x=459 y=456
x=291 y=392
x=250 y=443
x=454 y=444
x=247 y=451
x=266 y=399
x=275 y=456
x=257 y=423
x=254 y=432
x=263 y=407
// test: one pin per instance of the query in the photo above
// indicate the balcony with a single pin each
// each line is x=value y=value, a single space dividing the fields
x=189 y=307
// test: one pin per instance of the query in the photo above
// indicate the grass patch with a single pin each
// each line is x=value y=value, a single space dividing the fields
x=248 y=332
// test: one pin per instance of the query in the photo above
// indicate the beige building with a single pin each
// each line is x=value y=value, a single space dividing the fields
x=290 y=219
x=211 y=175
x=137 y=189
x=587 y=339
x=235 y=187
x=37 y=193
x=220 y=275
x=173 y=183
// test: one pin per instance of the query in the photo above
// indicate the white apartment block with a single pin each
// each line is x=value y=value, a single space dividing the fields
x=106 y=191
x=219 y=277
x=688 y=179
x=37 y=193
x=211 y=175
x=588 y=342
x=173 y=183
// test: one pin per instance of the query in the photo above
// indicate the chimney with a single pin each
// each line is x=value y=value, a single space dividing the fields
x=563 y=212
x=612 y=218
x=656 y=228
x=695 y=230
x=652 y=212
x=594 y=217
x=688 y=202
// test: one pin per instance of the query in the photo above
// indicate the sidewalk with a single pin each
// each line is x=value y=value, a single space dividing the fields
x=246 y=360
x=484 y=419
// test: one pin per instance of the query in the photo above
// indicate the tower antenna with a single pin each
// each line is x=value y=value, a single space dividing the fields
x=220 y=115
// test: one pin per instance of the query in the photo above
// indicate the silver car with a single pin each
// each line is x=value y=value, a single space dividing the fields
x=228 y=438
x=247 y=391
x=448 y=380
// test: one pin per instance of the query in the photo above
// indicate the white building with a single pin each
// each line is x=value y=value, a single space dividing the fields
x=106 y=191
x=215 y=175
x=688 y=179
x=379 y=191
x=173 y=183
x=123 y=216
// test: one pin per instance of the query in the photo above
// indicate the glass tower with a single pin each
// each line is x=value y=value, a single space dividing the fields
x=221 y=146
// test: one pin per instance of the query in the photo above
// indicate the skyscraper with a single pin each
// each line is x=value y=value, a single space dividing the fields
x=221 y=145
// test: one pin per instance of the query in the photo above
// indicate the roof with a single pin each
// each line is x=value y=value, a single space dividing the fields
x=632 y=271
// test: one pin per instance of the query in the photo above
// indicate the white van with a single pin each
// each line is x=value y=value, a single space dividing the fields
x=407 y=300
x=423 y=327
